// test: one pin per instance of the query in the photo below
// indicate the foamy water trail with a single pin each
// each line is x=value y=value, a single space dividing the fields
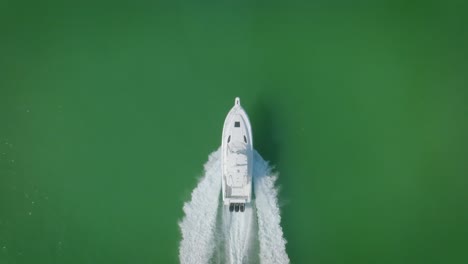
x=199 y=223
x=249 y=237
x=270 y=233
x=238 y=239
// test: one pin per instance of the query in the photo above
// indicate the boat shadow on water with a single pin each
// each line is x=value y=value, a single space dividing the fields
x=266 y=131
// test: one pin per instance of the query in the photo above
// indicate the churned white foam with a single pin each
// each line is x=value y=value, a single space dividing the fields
x=238 y=230
x=212 y=234
x=270 y=233
x=199 y=223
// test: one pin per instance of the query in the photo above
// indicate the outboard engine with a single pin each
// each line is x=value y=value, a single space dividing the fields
x=236 y=207
x=231 y=208
x=242 y=207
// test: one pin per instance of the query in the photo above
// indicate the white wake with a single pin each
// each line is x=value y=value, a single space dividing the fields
x=212 y=234
x=270 y=234
x=198 y=224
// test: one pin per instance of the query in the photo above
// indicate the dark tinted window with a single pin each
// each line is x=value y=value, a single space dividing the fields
x=245 y=139
x=229 y=139
x=236 y=124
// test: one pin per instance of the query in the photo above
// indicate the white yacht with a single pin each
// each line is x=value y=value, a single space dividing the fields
x=237 y=159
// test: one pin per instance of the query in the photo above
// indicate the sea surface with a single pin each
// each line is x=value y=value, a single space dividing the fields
x=110 y=109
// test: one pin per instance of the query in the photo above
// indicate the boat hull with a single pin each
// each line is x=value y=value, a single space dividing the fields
x=237 y=159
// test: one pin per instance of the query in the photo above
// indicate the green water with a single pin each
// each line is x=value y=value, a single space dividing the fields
x=109 y=110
